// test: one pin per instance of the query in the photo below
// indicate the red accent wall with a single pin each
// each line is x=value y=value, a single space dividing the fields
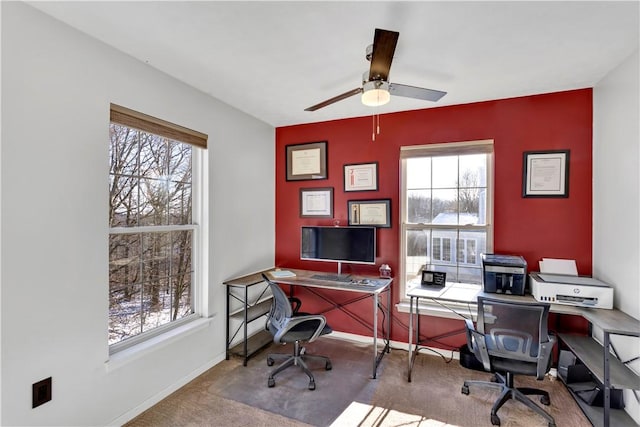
x=534 y=228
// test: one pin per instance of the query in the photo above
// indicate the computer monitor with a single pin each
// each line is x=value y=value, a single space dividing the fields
x=355 y=245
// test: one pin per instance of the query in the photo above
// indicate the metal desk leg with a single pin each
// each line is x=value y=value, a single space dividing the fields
x=413 y=350
x=607 y=380
x=410 y=338
x=246 y=321
x=375 y=334
x=387 y=344
x=227 y=320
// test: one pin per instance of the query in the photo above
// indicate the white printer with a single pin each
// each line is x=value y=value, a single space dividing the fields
x=571 y=290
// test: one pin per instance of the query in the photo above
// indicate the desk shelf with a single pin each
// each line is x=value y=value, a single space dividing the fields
x=592 y=355
x=255 y=343
x=595 y=414
x=248 y=301
x=254 y=311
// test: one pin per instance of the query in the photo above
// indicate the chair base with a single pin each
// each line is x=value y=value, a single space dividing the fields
x=508 y=391
x=298 y=358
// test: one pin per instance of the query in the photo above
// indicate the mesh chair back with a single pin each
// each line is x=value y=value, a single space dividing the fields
x=513 y=330
x=280 y=308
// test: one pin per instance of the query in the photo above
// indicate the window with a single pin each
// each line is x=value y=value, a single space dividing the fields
x=446 y=209
x=153 y=226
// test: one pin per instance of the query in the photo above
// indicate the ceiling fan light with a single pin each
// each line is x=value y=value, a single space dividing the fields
x=375 y=93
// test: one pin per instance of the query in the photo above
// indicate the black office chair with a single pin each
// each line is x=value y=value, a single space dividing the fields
x=511 y=338
x=289 y=327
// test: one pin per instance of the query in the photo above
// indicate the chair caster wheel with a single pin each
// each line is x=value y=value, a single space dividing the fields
x=269 y=361
x=495 y=420
x=328 y=366
x=271 y=382
x=465 y=389
x=312 y=385
x=545 y=400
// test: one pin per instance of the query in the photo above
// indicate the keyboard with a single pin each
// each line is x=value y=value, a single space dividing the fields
x=332 y=277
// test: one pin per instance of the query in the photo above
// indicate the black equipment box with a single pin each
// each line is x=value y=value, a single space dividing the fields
x=583 y=384
x=506 y=274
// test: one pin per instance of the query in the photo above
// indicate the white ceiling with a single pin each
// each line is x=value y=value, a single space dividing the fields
x=274 y=59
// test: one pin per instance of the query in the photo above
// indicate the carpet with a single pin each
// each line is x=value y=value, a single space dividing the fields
x=230 y=394
x=349 y=377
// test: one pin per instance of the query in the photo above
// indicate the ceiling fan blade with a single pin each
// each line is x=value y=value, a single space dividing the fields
x=415 y=92
x=384 y=45
x=334 y=99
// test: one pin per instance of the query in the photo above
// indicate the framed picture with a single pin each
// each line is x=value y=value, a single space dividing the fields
x=307 y=161
x=545 y=173
x=361 y=177
x=316 y=202
x=370 y=212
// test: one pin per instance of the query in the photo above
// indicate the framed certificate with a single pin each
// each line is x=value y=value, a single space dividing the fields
x=307 y=161
x=316 y=202
x=370 y=212
x=361 y=177
x=545 y=173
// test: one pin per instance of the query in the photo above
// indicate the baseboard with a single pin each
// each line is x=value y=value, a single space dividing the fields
x=395 y=345
x=129 y=415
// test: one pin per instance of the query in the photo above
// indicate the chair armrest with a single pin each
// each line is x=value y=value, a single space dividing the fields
x=295 y=304
x=294 y=321
x=544 y=357
x=477 y=345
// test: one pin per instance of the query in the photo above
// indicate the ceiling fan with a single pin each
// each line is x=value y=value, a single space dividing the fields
x=376 y=89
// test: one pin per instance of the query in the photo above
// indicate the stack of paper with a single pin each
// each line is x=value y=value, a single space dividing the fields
x=558 y=266
x=278 y=274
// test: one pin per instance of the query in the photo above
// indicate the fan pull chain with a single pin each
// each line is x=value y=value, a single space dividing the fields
x=375 y=126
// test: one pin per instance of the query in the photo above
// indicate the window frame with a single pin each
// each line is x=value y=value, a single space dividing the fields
x=141 y=122
x=432 y=150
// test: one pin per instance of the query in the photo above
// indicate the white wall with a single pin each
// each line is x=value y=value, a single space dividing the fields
x=56 y=88
x=616 y=195
x=616 y=184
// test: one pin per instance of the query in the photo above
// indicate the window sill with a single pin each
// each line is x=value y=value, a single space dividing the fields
x=128 y=355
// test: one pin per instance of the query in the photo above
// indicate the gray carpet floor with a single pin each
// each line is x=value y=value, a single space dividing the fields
x=230 y=394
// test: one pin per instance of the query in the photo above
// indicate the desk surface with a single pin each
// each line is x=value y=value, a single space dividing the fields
x=355 y=283
x=609 y=320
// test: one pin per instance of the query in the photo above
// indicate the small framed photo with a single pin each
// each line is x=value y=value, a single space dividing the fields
x=545 y=173
x=316 y=202
x=361 y=177
x=370 y=212
x=307 y=161
x=433 y=278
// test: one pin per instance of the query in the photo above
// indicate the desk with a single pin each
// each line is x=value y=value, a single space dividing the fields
x=374 y=287
x=609 y=370
x=452 y=293
x=304 y=278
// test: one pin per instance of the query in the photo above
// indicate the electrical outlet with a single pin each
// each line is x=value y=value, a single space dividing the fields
x=41 y=392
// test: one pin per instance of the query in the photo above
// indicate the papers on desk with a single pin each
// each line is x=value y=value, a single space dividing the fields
x=464 y=293
x=453 y=292
x=280 y=274
x=427 y=291
x=558 y=266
